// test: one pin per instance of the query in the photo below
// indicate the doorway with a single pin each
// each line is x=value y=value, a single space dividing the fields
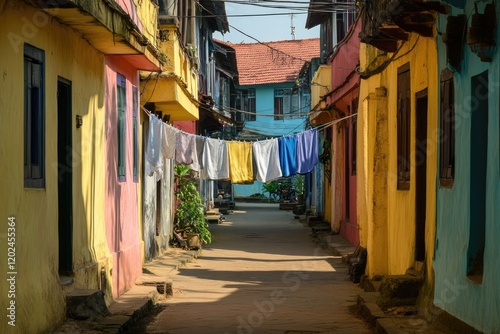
x=65 y=176
x=421 y=174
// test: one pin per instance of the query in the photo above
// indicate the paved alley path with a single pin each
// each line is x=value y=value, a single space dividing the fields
x=263 y=273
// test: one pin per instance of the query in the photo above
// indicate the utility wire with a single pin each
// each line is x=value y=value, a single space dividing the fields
x=255 y=39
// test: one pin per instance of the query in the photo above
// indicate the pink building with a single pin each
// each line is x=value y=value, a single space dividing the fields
x=122 y=147
x=337 y=73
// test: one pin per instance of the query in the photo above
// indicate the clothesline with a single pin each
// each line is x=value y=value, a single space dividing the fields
x=240 y=162
x=326 y=125
x=322 y=127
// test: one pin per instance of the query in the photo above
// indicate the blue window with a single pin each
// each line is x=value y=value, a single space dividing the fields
x=34 y=117
x=122 y=107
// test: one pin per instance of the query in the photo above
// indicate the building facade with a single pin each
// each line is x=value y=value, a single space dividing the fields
x=270 y=101
x=54 y=65
x=465 y=258
x=334 y=107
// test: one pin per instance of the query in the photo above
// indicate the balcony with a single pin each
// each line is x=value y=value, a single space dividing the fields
x=175 y=90
x=110 y=29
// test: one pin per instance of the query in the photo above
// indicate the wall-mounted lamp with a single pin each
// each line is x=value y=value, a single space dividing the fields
x=79 y=121
x=481 y=34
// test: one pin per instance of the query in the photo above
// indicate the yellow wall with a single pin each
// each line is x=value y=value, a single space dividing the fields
x=175 y=90
x=39 y=296
x=148 y=15
x=387 y=215
x=334 y=192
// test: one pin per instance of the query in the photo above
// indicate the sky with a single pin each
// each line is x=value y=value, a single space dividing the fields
x=266 y=28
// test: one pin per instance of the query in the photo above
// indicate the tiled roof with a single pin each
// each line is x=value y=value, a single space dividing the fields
x=273 y=62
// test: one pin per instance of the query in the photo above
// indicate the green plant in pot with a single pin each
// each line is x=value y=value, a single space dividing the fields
x=189 y=215
x=298 y=183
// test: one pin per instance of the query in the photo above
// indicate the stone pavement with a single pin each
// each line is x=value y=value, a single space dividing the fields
x=265 y=272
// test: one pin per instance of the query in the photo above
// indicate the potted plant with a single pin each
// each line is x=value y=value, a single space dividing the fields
x=299 y=187
x=189 y=215
x=271 y=187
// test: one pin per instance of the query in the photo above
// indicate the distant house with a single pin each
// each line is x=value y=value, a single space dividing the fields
x=270 y=100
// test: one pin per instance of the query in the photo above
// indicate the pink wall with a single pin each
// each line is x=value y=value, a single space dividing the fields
x=345 y=89
x=346 y=59
x=129 y=7
x=186 y=126
x=349 y=227
x=121 y=201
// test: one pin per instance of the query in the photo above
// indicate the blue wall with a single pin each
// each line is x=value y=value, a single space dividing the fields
x=458 y=230
x=245 y=190
x=264 y=98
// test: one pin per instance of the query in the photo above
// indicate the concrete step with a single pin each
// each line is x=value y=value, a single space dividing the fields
x=368 y=308
x=397 y=290
x=213 y=218
x=163 y=286
x=86 y=305
x=287 y=206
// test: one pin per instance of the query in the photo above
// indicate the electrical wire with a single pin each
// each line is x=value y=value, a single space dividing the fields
x=255 y=39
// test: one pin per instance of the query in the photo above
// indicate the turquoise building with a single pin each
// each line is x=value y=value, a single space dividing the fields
x=272 y=100
x=468 y=214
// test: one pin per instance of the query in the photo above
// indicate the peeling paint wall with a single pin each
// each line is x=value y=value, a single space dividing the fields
x=386 y=214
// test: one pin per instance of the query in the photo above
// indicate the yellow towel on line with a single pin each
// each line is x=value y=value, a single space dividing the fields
x=240 y=162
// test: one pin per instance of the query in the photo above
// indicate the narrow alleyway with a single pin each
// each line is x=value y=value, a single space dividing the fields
x=263 y=273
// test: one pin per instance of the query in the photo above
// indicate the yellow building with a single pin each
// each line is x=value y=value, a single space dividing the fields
x=52 y=148
x=174 y=91
x=397 y=145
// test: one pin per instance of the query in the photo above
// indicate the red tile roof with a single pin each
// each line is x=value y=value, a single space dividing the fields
x=273 y=62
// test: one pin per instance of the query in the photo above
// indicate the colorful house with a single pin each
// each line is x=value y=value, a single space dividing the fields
x=56 y=62
x=177 y=95
x=397 y=127
x=467 y=213
x=335 y=90
x=122 y=134
x=273 y=102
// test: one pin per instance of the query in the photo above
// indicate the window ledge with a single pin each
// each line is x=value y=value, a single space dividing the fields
x=403 y=185
x=446 y=183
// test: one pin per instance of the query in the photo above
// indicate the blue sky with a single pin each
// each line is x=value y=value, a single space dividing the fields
x=265 y=28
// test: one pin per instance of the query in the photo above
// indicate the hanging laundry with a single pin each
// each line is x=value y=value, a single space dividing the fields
x=266 y=160
x=307 y=151
x=197 y=163
x=215 y=162
x=288 y=155
x=185 y=149
x=240 y=162
x=154 y=156
x=169 y=141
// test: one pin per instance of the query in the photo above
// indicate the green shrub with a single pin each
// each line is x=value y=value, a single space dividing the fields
x=189 y=215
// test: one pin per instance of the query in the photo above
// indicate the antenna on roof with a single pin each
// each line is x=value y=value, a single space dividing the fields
x=292 y=28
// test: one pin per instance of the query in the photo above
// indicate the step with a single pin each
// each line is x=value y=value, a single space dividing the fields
x=368 y=308
x=213 y=219
x=86 y=305
x=396 y=290
x=163 y=286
